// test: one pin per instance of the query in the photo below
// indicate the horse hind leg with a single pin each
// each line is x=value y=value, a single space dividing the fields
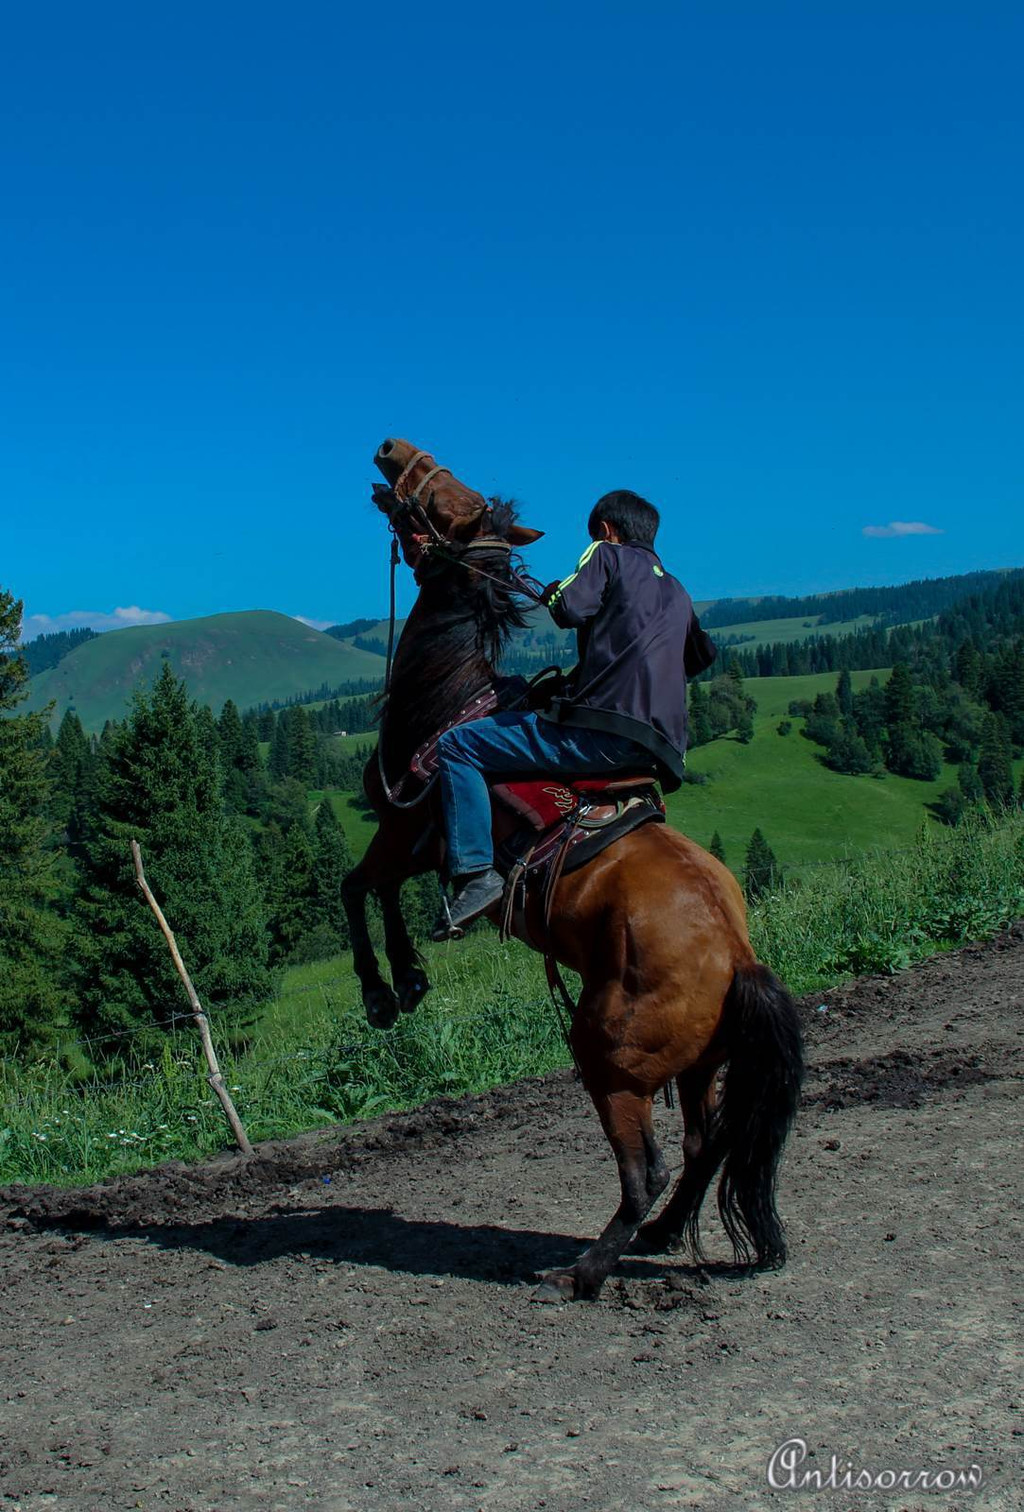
x=411 y=983
x=643 y=1174
x=678 y=1224
x=379 y=1001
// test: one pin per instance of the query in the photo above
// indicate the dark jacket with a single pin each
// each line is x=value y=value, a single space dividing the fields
x=638 y=637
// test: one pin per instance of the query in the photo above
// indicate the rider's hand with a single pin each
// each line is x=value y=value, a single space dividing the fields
x=549 y=593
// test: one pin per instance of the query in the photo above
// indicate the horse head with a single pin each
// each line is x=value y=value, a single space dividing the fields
x=427 y=505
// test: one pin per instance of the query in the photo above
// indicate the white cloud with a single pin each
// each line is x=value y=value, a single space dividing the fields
x=314 y=624
x=90 y=619
x=902 y=528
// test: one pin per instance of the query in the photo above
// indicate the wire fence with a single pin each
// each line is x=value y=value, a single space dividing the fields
x=249 y=1070
x=783 y=870
x=247 y=1066
x=171 y=1023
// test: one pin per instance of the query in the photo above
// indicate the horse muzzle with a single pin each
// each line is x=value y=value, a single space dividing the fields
x=393 y=456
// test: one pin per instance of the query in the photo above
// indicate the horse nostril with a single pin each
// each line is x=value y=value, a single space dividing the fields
x=386 y=448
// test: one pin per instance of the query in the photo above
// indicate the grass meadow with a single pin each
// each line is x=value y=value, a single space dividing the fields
x=776 y=783
x=311 y=1060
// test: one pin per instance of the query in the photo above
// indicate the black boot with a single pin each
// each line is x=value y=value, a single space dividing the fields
x=472 y=895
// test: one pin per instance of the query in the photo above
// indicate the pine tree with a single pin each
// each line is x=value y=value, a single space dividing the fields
x=158 y=782
x=31 y=935
x=209 y=734
x=229 y=726
x=67 y=767
x=913 y=753
x=293 y=912
x=967 y=668
x=236 y=788
x=332 y=863
x=238 y=974
x=969 y=782
x=764 y=873
x=899 y=697
x=1007 y=691
x=301 y=747
x=279 y=763
x=951 y=806
x=847 y=752
x=869 y=715
x=994 y=767
x=717 y=848
x=844 y=693
x=700 y=724
x=249 y=751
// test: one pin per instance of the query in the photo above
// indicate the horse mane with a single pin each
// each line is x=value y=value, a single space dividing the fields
x=453 y=639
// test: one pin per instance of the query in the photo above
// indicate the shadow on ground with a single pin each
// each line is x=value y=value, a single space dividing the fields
x=359 y=1236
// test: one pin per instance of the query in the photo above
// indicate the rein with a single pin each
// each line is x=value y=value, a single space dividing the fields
x=392 y=793
x=488 y=543
x=437 y=545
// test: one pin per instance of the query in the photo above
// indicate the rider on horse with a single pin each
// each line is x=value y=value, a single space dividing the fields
x=625 y=706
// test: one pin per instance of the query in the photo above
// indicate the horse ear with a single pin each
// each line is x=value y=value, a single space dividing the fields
x=522 y=535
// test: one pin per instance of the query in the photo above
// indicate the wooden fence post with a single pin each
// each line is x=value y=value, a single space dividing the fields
x=214 y=1078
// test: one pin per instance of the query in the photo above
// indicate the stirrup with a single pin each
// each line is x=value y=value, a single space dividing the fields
x=444 y=929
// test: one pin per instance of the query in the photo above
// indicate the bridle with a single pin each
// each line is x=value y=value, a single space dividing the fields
x=408 y=500
x=409 y=507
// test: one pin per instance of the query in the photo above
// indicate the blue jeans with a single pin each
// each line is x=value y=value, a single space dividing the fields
x=513 y=745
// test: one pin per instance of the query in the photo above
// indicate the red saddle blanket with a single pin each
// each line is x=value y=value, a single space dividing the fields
x=541 y=801
x=546 y=801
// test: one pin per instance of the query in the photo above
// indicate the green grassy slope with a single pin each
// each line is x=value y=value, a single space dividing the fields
x=773 y=695
x=761 y=631
x=777 y=782
x=252 y=657
x=787 y=630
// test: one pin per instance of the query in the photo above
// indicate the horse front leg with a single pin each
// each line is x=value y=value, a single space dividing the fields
x=410 y=980
x=379 y=1000
x=643 y=1175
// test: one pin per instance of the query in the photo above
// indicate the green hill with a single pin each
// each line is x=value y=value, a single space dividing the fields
x=779 y=784
x=754 y=633
x=808 y=813
x=252 y=657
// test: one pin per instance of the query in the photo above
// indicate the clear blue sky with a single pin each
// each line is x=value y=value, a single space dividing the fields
x=761 y=263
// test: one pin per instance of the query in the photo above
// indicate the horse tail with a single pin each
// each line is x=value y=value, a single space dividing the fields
x=758 y=1101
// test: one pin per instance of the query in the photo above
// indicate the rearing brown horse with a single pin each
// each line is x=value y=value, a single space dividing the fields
x=655 y=926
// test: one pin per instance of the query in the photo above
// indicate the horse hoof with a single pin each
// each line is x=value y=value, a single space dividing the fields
x=381 y=1007
x=412 y=989
x=556 y=1287
x=652 y=1239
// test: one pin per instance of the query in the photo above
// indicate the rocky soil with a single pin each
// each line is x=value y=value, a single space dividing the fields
x=346 y=1322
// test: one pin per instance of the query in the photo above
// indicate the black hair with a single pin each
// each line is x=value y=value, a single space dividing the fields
x=632 y=518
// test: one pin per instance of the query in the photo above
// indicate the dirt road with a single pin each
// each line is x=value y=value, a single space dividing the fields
x=347 y=1323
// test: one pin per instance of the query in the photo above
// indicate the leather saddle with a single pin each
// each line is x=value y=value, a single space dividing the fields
x=545 y=827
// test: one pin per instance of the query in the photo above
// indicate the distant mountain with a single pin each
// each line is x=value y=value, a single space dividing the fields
x=263 y=657
x=351 y=629
x=253 y=657
x=921 y=599
x=47 y=650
